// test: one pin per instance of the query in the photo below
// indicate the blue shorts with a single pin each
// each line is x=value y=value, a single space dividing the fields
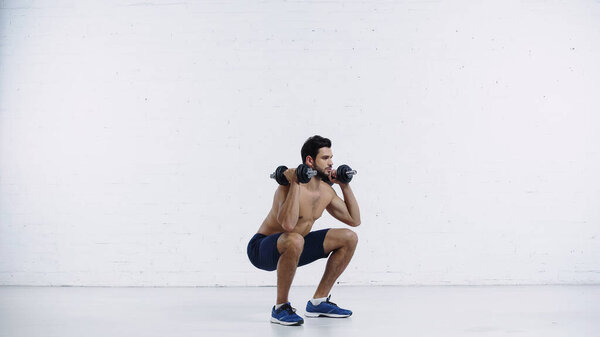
x=263 y=253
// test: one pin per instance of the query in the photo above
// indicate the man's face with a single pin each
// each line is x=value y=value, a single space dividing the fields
x=323 y=163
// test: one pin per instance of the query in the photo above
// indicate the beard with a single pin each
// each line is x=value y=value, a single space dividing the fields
x=321 y=174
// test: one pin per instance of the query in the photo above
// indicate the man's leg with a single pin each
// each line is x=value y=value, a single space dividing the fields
x=290 y=247
x=342 y=242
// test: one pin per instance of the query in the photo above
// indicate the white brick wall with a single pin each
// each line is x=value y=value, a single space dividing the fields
x=136 y=138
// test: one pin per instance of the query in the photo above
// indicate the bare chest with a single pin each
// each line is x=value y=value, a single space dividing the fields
x=312 y=204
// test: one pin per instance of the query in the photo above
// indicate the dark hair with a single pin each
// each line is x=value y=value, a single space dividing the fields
x=312 y=145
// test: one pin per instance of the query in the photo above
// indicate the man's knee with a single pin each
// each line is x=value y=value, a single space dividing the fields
x=350 y=238
x=291 y=243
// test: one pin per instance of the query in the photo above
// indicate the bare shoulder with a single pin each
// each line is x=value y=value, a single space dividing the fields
x=327 y=190
x=279 y=195
x=282 y=188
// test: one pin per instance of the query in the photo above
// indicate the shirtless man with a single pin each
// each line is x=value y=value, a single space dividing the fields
x=284 y=240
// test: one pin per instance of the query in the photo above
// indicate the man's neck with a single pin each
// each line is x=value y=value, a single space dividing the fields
x=313 y=184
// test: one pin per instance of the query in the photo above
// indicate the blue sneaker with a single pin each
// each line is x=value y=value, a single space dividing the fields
x=327 y=309
x=285 y=315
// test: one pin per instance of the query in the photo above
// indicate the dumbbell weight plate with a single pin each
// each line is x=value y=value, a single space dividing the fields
x=342 y=174
x=280 y=177
x=304 y=173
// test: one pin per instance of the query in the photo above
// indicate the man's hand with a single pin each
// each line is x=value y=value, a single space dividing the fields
x=333 y=178
x=291 y=176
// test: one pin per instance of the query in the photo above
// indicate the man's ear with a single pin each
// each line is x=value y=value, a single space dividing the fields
x=310 y=162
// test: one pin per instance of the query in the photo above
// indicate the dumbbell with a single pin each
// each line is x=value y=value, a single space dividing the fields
x=303 y=172
x=344 y=174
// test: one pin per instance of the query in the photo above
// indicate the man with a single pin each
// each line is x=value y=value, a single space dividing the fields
x=284 y=240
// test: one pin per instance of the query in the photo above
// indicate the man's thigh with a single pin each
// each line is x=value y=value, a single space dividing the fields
x=313 y=247
x=262 y=251
x=338 y=238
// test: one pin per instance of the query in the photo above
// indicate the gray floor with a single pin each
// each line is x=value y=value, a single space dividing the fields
x=401 y=311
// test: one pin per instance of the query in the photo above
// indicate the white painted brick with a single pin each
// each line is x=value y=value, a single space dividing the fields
x=136 y=138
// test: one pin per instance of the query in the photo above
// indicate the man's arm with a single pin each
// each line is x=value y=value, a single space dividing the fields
x=289 y=203
x=346 y=210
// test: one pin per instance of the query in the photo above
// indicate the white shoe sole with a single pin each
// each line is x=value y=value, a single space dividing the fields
x=320 y=314
x=276 y=321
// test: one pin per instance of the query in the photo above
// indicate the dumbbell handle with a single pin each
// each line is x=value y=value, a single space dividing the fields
x=303 y=173
x=311 y=173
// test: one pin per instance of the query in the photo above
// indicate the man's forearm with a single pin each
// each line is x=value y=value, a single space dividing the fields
x=351 y=203
x=290 y=209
